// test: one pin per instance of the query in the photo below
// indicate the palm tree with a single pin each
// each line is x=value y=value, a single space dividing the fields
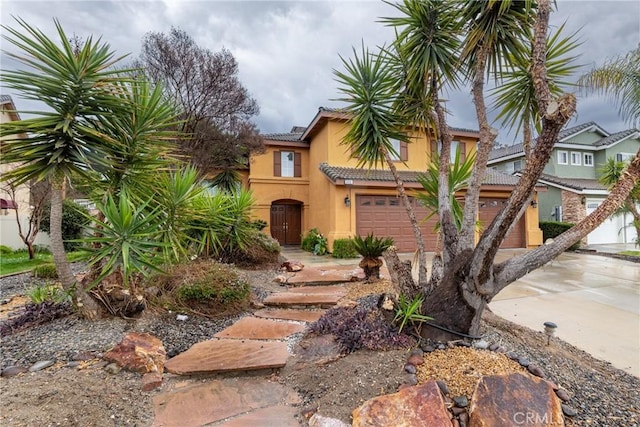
x=619 y=78
x=515 y=97
x=78 y=87
x=610 y=174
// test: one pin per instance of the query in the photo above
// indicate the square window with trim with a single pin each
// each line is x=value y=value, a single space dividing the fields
x=588 y=159
x=287 y=164
x=576 y=158
x=563 y=158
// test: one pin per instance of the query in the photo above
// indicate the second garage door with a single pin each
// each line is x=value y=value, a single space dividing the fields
x=385 y=216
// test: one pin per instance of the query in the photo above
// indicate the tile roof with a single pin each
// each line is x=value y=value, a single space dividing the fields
x=611 y=139
x=566 y=133
x=342 y=110
x=5 y=98
x=290 y=136
x=507 y=151
x=573 y=183
x=383 y=175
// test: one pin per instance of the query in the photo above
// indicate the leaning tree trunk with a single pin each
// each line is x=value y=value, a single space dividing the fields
x=86 y=305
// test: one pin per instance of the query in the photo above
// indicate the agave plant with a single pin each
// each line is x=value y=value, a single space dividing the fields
x=371 y=249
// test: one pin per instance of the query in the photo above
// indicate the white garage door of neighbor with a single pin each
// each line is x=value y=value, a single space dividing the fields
x=612 y=230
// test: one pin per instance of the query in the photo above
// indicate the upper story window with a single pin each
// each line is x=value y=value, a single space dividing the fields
x=401 y=150
x=623 y=157
x=588 y=159
x=576 y=158
x=563 y=158
x=455 y=146
x=512 y=167
x=287 y=164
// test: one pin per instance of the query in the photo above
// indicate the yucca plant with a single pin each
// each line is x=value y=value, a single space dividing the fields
x=371 y=249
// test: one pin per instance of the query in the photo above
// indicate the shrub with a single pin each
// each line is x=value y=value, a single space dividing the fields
x=315 y=242
x=371 y=247
x=48 y=293
x=343 y=248
x=74 y=220
x=552 y=229
x=221 y=284
x=204 y=287
x=360 y=327
x=259 y=224
x=260 y=249
x=5 y=250
x=35 y=314
x=45 y=271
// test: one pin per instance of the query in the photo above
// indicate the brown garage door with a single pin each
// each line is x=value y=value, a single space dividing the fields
x=488 y=209
x=385 y=216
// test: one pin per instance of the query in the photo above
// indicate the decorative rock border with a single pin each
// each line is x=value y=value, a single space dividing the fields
x=459 y=405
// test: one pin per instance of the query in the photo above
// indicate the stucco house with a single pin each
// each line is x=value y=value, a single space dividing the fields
x=17 y=199
x=306 y=179
x=571 y=176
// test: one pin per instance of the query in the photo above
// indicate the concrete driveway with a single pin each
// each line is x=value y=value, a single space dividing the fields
x=594 y=300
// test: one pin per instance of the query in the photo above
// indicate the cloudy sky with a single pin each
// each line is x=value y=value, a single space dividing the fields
x=287 y=50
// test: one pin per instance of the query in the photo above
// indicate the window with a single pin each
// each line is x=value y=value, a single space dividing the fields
x=623 y=157
x=401 y=150
x=563 y=158
x=287 y=164
x=576 y=158
x=455 y=146
x=286 y=159
x=588 y=159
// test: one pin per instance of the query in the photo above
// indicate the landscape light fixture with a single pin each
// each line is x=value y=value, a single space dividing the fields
x=347 y=201
x=550 y=330
x=534 y=204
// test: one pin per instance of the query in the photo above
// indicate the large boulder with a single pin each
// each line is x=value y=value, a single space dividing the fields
x=417 y=406
x=515 y=399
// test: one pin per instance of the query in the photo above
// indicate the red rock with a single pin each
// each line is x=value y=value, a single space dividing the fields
x=414 y=406
x=281 y=416
x=292 y=265
x=151 y=381
x=260 y=329
x=215 y=400
x=289 y=314
x=221 y=355
x=292 y=298
x=415 y=360
x=514 y=399
x=138 y=352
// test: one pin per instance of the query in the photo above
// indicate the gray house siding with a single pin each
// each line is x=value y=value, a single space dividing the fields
x=547 y=202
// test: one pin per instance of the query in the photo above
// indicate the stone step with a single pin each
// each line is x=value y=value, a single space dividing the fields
x=322 y=276
x=301 y=299
x=273 y=416
x=226 y=355
x=217 y=400
x=260 y=329
x=290 y=314
x=320 y=289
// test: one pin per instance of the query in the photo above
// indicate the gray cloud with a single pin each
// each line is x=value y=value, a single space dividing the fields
x=287 y=50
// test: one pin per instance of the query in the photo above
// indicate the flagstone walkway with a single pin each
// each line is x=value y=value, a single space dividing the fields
x=258 y=344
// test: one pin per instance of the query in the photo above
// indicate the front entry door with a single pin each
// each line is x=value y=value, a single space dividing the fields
x=286 y=224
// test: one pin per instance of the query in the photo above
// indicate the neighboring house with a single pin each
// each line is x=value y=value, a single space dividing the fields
x=306 y=179
x=16 y=200
x=571 y=177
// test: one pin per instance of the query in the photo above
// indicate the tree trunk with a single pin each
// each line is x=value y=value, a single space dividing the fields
x=401 y=276
x=57 y=244
x=422 y=256
x=456 y=311
x=86 y=305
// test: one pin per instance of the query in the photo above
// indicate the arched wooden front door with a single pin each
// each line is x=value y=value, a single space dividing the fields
x=286 y=222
